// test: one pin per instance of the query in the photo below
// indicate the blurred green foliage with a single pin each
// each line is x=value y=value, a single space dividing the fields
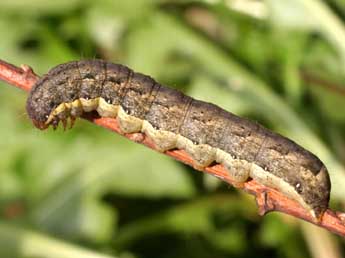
x=277 y=62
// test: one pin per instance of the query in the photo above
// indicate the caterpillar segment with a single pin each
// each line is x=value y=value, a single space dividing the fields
x=173 y=120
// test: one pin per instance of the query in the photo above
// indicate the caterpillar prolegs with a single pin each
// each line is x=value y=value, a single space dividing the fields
x=173 y=120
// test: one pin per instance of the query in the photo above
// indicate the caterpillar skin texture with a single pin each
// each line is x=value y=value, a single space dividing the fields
x=173 y=120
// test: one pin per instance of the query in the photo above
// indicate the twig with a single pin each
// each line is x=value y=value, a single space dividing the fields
x=22 y=77
x=268 y=199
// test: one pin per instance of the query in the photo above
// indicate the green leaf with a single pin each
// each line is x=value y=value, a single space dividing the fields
x=38 y=6
x=19 y=242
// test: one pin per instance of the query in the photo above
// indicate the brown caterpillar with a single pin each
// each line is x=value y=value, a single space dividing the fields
x=173 y=120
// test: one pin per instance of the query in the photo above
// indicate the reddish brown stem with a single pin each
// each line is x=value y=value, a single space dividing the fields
x=268 y=199
x=24 y=78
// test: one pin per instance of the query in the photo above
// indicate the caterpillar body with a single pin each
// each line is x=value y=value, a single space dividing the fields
x=173 y=120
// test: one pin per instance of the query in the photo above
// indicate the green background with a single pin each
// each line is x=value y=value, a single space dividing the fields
x=88 y=192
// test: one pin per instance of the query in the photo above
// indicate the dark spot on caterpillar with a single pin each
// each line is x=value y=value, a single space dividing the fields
x=89 y=76
x=299 y=188
x=173 y=120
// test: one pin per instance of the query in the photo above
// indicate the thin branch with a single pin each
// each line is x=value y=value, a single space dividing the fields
x=268 y=199
x=23 y=77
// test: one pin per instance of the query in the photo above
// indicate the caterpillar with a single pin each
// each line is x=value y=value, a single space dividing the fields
x=173 y=120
